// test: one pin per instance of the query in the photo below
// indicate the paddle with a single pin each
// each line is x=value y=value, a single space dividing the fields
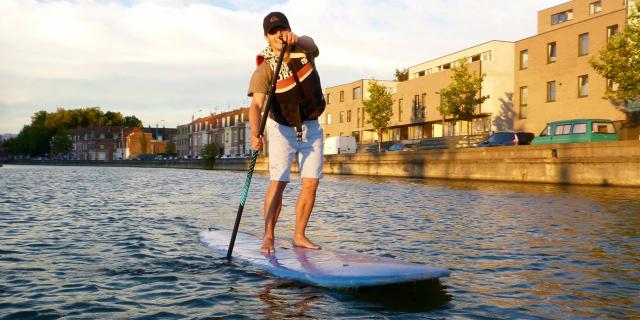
x=252 y=164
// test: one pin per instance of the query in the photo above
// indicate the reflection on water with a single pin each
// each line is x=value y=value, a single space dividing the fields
x=122 y=243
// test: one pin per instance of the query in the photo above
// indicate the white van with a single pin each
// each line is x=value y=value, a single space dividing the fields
x=339 y=145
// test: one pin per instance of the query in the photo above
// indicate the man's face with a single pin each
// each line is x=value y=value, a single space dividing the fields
x=273 y=37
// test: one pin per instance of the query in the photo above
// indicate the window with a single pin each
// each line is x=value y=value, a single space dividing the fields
x=563 y=129
x=421 y=74
x=583 y=44
x=399 y=110
x=328 y=118
x=595 y=7
x=486 y=56
x=551 y=91
x=612 y=31
x=546 y=131
x=357 y=93
x=424 y=105
x=342 y=96
x=358 y=118
x=341 y=116
x=524 y=59
x=561 y=17
x=552 y=53
x=429 y=71
x=524 y=98
x=416 y=106
x=328 y=98
x=602 y=127
x=580 y=128
x=583 y=85
x=348 y=115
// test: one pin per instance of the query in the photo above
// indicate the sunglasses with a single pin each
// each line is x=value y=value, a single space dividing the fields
x=276 y=29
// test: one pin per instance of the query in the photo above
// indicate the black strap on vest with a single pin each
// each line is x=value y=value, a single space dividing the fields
x=298 y=116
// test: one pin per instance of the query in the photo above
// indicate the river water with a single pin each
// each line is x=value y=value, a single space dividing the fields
x=122 y=243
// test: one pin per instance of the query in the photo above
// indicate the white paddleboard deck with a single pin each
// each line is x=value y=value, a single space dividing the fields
x=325 y=268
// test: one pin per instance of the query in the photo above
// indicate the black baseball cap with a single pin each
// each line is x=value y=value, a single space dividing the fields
x=274 y=20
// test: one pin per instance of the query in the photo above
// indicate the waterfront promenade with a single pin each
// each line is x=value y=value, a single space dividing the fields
x=603 y=163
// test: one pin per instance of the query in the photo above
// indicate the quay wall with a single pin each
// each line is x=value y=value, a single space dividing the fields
x=604 y=163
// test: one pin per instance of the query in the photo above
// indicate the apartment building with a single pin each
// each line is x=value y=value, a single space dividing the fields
x=344 y=114
x=230 y=131
x=417 y=99
x=233 y=132
x=415 y=114
x=553 y=77
x=99 y=143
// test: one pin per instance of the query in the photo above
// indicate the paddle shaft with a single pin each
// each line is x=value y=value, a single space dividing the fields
x=252 y=164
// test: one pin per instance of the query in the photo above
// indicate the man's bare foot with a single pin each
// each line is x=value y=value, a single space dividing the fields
x=267 y=246
x=303 y=242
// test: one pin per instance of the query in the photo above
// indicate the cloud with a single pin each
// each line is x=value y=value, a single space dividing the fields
x=164 y=60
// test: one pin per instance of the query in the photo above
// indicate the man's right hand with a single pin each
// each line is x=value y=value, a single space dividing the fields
x=257 y=143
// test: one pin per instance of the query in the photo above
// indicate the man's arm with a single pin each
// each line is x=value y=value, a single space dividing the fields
x=308 y=46
x=254 y=119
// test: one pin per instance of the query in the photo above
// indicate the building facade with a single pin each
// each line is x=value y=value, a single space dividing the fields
x=230 y=131
x=554 y=80
x=415 y=114
x=99 y=143
x=182 y=140
x=344 y=114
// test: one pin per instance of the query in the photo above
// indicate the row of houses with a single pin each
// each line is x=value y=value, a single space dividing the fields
x=230 y=131
x=529 y=82
x=120 y=143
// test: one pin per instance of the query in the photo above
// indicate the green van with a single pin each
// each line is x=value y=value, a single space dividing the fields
x=577 y=130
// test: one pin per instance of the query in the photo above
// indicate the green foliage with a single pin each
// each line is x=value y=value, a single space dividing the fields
x=132 y=122
x=209 y=153
x=462 y=95
x=401 y=75
x=61 y=143
x=379 y=108
x=35 y=139
x=619 y=61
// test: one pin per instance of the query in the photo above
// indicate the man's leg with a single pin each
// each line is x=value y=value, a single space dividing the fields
x=272 y=207
x=306 y=200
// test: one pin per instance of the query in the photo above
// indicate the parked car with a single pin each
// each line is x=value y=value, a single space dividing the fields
x=577 y=130
x=402 y=147
x=507 y=138
x=384 y=146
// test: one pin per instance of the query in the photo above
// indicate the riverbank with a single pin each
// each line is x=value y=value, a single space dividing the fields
x=604 y=163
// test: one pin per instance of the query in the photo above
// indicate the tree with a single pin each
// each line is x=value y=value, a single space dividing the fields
x=132 y=122
x=378 y=107
x=462 y=95
x=402 y=75
x=61 y=143
x=209 y=153
x=35 y=139
x=619 y=62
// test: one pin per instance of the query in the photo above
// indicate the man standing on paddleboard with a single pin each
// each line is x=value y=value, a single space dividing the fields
x=292 y=128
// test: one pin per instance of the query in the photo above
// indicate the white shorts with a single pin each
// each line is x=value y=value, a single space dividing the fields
x=283 y=146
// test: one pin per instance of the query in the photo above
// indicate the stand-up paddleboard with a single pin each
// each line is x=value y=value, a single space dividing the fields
x=324 y=268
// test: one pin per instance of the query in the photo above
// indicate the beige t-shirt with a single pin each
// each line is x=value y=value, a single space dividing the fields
x=260 y=79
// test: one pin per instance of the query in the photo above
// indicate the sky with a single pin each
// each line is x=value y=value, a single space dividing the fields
x=167 y=61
